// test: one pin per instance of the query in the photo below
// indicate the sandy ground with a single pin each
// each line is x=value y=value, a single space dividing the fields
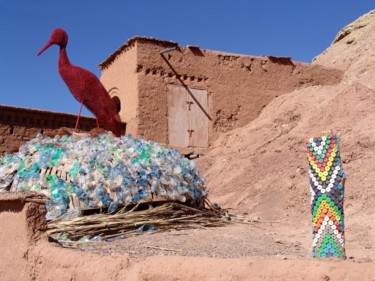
x=260 y=170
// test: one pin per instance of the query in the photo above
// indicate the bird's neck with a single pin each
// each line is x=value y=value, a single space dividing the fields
x=63 y=58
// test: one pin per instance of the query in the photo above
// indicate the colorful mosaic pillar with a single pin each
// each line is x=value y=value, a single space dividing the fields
x=327 y=180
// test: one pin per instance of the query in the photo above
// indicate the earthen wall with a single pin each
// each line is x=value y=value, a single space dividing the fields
x=238 y=86
x=121 y=80
x=18 y=125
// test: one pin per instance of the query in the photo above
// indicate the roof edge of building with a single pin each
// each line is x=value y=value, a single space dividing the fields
x=40 y=111
x=130 y=42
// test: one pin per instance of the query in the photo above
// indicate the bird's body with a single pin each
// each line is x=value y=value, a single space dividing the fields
x=85 y=86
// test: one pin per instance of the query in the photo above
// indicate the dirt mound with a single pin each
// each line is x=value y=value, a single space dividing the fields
x=353 y=51
x=261 y=168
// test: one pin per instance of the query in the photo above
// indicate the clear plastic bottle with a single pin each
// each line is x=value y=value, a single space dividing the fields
x=133 y=168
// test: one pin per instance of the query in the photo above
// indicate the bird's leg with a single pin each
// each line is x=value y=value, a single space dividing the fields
x=97 y=123
x=79 y=114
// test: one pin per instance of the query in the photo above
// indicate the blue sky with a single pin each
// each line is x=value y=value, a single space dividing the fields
x=299 y=29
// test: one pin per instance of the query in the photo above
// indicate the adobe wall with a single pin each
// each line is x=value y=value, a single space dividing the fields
x=239 y=87
x=121 y=80
x=18 y=125
x=153 y=105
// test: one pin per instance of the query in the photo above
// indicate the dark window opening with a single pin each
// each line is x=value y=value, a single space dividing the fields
x=117 y=102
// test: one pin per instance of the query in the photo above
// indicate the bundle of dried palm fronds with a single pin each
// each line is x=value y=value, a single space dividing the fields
x=124 y=223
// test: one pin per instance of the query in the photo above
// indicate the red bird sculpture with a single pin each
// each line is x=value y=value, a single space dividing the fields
x=85 y=87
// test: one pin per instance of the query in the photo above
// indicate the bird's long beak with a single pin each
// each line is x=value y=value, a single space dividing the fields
x=45 y=47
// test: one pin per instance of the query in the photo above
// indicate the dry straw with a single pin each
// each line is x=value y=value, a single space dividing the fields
x=124 y=223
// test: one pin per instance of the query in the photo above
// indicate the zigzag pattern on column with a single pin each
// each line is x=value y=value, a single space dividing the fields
x=327 y=180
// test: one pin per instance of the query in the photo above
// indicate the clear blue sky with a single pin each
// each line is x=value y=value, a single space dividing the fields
x=299 y=29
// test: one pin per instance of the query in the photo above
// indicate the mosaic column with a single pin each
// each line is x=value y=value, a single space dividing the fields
x=327 y=180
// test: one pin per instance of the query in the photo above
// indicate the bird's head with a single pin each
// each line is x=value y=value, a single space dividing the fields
x=58 y=37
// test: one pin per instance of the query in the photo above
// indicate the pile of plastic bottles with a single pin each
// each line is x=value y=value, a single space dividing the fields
x=104 y=171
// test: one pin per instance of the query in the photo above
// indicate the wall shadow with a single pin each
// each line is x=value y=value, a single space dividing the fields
x=186 y=87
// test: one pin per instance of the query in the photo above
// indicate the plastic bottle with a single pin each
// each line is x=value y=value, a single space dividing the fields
x=134 y=168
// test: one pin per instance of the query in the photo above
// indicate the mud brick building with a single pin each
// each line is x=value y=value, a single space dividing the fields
x=181 y=95
x=188 y=96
